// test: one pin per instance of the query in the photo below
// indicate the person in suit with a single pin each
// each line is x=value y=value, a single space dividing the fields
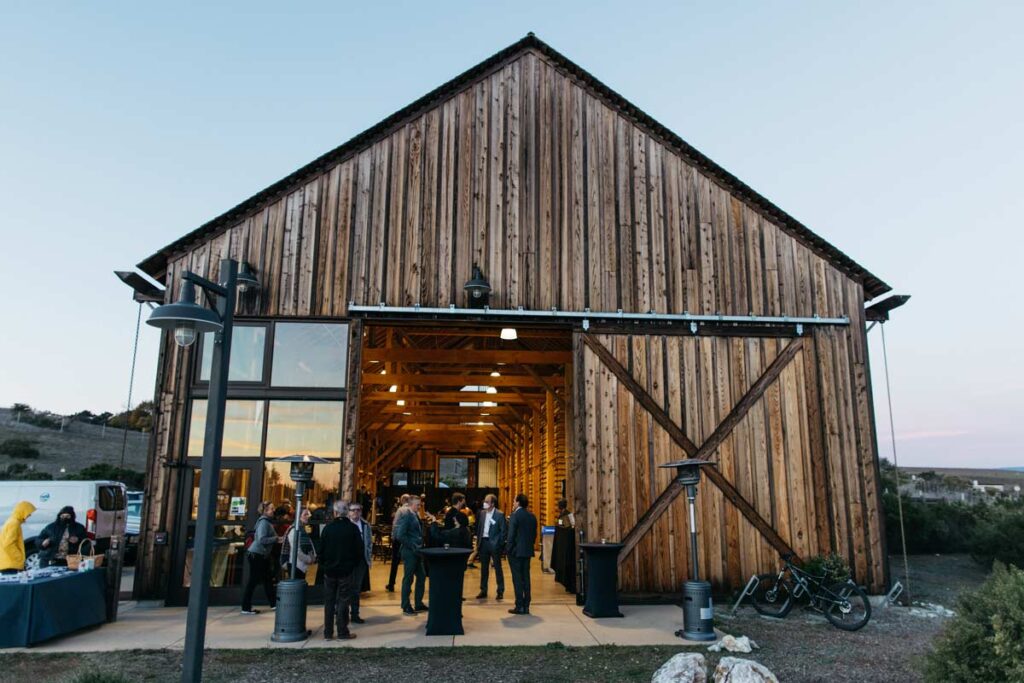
x=409 y=532
x=396 y=547
x=355 y=515
x=522 y=534
x=340 y=551
x=490 y=541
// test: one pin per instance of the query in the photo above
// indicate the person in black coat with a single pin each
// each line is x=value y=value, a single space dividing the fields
x=456 y=519
x=60 y=538
x=522 y=534
x=341 y=548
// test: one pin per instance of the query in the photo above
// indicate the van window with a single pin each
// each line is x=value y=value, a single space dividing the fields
x=111 y=498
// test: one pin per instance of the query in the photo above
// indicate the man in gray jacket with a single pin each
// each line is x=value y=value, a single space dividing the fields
x=409 y=533
x=257 y=557
x=355 y=515
x=490 y=541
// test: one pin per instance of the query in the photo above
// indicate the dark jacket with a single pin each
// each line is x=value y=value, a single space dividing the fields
x=499 y=528
x=409 y=531
x=522 y=533
x=54 y=531
x=462 y=537
x=341 y=547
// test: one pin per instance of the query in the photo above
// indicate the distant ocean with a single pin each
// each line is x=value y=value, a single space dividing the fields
x=1015 y=469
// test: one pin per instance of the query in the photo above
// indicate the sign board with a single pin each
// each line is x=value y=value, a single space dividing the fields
x=237 y=506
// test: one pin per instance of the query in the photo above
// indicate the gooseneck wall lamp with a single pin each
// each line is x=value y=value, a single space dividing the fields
x=186 y=319
x=478 y=289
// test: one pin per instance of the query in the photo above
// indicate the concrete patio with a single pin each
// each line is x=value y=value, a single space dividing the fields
x=152 y=626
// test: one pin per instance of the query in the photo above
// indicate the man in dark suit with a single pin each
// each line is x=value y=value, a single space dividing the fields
x=490 y=541
x=355 y=515
x=340 y=551
x=522 y=534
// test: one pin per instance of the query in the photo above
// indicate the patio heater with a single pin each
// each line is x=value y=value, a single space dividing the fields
x=290 y=616
x=698 y=610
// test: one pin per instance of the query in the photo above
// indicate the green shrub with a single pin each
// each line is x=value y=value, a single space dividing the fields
x=1000 y=535
x=831 y=565
x=985 y=641
x=21 y=472
x=19 y=448
x=131 y=478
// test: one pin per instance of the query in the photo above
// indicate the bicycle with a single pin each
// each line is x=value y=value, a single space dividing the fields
x=843 y=603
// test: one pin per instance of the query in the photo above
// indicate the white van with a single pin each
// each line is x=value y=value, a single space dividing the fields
x=100 y=506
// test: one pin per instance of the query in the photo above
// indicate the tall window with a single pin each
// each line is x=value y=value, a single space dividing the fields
x=286 y=392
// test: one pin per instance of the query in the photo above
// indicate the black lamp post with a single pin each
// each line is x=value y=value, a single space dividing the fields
x=290 y=615
x=478 y=288
x=187 y=319
x=698 y=617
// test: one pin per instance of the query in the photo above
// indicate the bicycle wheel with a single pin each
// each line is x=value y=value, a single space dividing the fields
x=773 y=596
x=846 y=606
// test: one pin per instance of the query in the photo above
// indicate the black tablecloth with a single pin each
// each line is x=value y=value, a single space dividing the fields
x=447 y=568
x=563 y=557
x=33 y=612
x=602 y=579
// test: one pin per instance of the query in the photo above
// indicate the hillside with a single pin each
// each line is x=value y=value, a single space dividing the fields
x=78 y=446
x=1005 y=477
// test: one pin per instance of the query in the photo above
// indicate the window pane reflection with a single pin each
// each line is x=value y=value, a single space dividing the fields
x=243 y=429
x=320 y=494
x=246 y=364
x=305 y=427
x=453 y=472
x=309 y=355
x=232 y=495
x=228 y=556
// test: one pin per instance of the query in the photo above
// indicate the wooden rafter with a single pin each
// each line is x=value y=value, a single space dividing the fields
x=467 y=356
x=672 y=491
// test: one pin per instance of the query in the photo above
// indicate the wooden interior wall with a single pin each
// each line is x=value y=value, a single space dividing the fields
x=564 y=201
x=801 y=455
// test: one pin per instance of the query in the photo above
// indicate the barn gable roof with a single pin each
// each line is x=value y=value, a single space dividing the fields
x=873 y=286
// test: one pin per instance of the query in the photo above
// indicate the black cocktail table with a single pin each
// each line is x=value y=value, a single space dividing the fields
x=447 y=567
x=602 y=580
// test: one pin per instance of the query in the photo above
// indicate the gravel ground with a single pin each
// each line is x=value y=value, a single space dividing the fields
x=802 y=647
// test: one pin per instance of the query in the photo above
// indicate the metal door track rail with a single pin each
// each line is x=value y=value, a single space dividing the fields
x=586 y=315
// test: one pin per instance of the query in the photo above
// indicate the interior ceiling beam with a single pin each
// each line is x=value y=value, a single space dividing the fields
x=487 y=332
x=450 y=397
x=531 y=379
x=454 y=410
x=468 y=356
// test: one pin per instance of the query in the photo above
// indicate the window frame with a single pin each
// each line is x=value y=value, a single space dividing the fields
x=264 y=389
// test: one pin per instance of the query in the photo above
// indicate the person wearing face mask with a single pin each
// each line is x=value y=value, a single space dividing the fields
x=60 y=538
x=490 y=541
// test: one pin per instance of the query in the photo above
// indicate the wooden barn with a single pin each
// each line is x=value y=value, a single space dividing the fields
x=645 y=306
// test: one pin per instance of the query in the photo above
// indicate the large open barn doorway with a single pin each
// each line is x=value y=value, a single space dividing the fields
x=459 y=408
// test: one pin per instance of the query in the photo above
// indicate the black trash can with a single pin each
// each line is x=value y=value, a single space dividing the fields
x=698 y=611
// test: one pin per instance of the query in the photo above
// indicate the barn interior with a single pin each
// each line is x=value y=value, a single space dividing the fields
x=477 y=409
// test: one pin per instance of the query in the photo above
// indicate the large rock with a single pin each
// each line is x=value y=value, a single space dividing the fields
x=732 y=644
x=685 y=667
x=736 y=670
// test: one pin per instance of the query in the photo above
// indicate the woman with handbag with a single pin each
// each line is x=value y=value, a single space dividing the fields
x=306 y=555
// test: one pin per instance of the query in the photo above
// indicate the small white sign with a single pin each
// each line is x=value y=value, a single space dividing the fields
x=238 y=506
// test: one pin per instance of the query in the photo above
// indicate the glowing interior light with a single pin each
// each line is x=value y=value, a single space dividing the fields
x=509 y=334
x=495 y=374
x=393 y=389
x=400 y=402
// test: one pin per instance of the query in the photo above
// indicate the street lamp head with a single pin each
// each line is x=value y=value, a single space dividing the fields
x=301 y=466
x=688 y=471
x=185 y=318
x=478 y=288
x=246 y=279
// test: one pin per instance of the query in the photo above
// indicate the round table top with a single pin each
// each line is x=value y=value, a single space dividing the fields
x=444 y=552
x=602 y=546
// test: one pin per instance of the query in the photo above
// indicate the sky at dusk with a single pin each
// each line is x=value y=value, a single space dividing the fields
x=893 y=130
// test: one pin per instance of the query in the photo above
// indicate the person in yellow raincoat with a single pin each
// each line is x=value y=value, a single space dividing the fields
x=12 y=543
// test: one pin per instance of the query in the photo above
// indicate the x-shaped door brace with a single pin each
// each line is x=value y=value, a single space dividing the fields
x=742 y=407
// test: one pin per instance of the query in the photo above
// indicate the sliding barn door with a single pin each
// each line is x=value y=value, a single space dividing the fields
x=752 y=405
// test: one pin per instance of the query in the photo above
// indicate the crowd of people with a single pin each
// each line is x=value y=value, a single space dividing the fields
x=342 y=548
